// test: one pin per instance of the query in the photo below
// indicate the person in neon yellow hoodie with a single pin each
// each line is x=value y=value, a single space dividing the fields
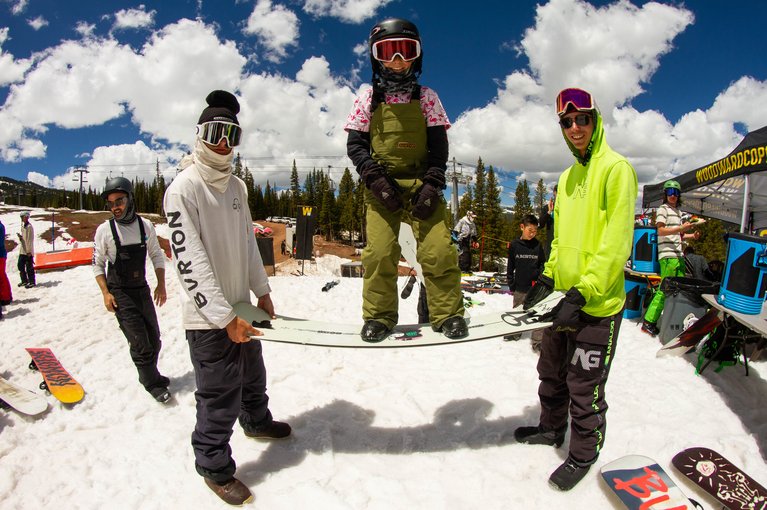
x=593 y=231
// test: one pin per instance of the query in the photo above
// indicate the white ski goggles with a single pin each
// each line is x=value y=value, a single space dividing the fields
x=387 y=49
x=213 y=132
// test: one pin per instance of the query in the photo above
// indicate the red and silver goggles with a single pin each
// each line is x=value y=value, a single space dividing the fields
x=578 y=98
x=386 y=49
x=213 y=132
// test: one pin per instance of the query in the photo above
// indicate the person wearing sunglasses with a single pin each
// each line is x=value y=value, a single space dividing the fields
x=397 y=140
x=593 y=232
x=218 y=264
x=672 y=232
x=120 y=249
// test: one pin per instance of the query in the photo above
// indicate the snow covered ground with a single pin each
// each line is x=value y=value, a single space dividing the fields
x=426 y=428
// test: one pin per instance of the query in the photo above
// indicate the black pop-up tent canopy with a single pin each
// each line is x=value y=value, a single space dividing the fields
x=732 y=189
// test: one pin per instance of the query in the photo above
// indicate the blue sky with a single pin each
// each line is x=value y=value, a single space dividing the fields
x=117 y=86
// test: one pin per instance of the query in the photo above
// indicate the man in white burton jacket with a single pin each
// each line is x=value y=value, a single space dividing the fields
x=218 y=264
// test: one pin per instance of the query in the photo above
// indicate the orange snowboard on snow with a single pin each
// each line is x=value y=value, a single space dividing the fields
x=57 y=379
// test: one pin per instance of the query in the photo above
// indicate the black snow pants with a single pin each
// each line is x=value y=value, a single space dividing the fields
x=231 y=384
x=573 y=369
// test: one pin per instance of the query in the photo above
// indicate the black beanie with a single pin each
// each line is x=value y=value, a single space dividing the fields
x=222 y=106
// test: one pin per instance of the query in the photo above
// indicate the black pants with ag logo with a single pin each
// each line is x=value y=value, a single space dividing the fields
x=573 y=369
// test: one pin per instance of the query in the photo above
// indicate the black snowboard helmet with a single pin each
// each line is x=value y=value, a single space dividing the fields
x=389 y=29
x=117 y=184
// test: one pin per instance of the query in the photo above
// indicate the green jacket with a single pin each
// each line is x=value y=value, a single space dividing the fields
x=594 y=226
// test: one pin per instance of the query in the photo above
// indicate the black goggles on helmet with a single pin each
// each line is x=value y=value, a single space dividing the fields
x=387 y=49
x=213 y=132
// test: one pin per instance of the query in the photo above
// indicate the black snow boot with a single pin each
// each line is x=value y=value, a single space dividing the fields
x=534 y=435
x=374 y=331
x=454 y=327
x=567 y=476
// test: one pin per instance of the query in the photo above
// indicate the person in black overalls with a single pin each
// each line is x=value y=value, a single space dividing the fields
x=122 y=244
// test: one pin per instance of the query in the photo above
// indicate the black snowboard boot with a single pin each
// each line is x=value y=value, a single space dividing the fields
x=650 y=328
x=272 y=430
x=567 y=476
x=534 y=435
x=160 y=394
x=454 y=327
x=374 y=331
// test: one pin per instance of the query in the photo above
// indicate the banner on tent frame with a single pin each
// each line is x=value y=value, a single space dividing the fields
x=751 y=156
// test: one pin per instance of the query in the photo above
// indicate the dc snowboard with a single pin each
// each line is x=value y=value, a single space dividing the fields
x=640 y=483
x=56 y=379
x=21 y=399
x=721 y=478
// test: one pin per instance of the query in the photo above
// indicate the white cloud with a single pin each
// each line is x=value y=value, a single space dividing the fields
x=19 y=7
x=85 y=29
x=285 y=119
x=38 y=23
x=610 y=51
x=275 y=27
x=133 y=18
x=11 y=70
x=350 y=11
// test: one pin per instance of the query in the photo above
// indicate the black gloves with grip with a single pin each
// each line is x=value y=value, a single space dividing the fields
x=566 y=313
x=382 y=187
x=428 y=197
x=542 y=288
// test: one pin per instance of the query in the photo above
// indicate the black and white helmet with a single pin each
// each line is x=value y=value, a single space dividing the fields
x=389 y=29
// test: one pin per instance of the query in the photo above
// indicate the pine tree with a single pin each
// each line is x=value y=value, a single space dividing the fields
x=295 y=190
x=347 y=220
x=522 y=204
x=494 y=242
x=237 y=170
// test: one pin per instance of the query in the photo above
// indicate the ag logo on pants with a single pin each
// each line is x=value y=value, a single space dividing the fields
x=588 y=359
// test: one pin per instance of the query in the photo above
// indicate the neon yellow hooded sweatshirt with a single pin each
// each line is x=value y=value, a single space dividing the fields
x=594 y=225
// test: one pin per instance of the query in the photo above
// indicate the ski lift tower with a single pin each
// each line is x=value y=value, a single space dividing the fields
x=456 y=177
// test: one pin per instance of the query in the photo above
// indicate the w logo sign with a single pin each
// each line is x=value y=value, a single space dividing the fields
x=587 y=359
x=307 y=211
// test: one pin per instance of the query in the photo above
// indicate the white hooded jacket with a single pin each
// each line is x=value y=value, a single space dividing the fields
x=214 y=250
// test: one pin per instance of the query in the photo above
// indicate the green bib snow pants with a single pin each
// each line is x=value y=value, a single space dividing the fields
x=398 y=142
x=668 y=267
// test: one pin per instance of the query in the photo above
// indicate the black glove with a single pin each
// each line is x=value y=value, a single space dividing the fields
x=567 y=312
x=542 y=288
x=382 y=186
x=428 y=197
x=425 y=201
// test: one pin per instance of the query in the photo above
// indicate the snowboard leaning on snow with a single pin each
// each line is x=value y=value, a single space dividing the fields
x=641 y=483
x=721 y=478
x=332 y=334
x=21 y=399
x=56 y=379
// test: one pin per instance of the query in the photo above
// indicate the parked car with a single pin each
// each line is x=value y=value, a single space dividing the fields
x=261 y=230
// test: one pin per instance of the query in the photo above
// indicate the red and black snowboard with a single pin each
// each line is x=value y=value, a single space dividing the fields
x=721 y=478
x=690 y=337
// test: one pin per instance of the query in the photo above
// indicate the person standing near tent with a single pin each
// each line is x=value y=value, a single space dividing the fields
x=397 y=140
x=466 y=231
x=120 y=249
x=594 y=228
x=6 y=294
x=218 y=264
x=26 y=264
x=671 y=233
